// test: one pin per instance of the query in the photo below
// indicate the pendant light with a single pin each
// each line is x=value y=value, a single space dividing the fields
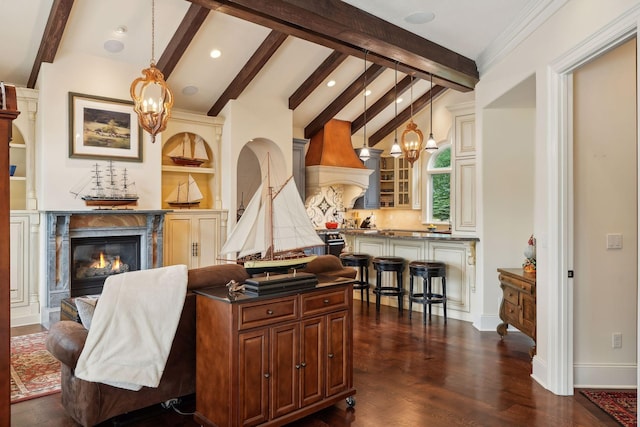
x=364 y=153
x=152 y=97
x=396 y=151
x=412 y=137
x=431 y=142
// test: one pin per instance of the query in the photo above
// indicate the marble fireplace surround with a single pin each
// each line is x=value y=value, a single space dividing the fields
x=62 y=226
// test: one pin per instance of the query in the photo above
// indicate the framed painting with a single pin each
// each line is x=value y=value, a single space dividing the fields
x=103 y=128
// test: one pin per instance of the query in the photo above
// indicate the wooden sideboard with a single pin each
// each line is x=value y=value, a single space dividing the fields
x=518 y=307
x=271 y=360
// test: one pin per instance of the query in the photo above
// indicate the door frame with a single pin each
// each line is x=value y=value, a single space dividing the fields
x=559 y=148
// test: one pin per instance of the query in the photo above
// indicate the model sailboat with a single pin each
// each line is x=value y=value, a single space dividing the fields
x=183 y=156
x=185 y=195
x=107 y=190
x=273 y=231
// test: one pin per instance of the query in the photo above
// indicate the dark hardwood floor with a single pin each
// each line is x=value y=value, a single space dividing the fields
x=406 y=374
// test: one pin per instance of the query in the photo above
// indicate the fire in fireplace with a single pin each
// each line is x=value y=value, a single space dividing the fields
x=93 y=259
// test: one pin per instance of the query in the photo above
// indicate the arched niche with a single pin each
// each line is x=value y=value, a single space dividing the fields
x=252 y=167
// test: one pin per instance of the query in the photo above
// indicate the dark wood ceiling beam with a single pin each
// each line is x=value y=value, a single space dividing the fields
x=188 y=28
x=60 y=10
x=418 y=105
x=382 y=103
x=342 y=27
x=342 y=100
x=316 y=78
x=251 y=69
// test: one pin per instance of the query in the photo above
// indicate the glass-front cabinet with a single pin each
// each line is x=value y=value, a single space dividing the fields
x=395 y=182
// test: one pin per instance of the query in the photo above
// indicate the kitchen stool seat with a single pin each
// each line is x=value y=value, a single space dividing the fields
x=361 y=262
x=390 y=264
x=428 y=270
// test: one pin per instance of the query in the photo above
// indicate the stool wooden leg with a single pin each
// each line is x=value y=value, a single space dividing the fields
x=444 y=298
x=410 y=294
x=366 y=275
x=400 y=296
x=424 y=301
x=378 y=286
x=428 y=296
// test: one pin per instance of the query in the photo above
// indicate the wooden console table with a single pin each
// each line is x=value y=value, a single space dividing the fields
x=518 y=307
x=270 y=360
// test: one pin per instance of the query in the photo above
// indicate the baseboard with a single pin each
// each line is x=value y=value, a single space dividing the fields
x=539 y=371
x=601 y=375
x=488 y=323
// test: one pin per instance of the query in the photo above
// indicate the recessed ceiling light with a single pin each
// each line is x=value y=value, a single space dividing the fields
x=113 y=46
x=215 y=53
x=189 y=90
x=398 y=100
x=121 y=29
x=419 y=17
x=367 y=93
x=331 y=83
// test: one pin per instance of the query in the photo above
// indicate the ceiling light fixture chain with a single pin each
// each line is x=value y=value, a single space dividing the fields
x=396 y=151
x=364 y=152
x=431 y=142
x=412 y=136
x=151 y=95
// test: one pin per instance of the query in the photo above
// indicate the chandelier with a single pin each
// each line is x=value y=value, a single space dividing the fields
x=431 y=142
x=151 y=96
x=412 y=137
x=364 y=153
x=396 y=151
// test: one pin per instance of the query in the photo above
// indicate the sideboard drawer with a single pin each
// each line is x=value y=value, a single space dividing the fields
x=516 y=283
x=266 y=312
x=314 y=303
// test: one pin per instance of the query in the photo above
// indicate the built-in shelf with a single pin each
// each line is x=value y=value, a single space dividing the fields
x=187 y=169
x=17 y=178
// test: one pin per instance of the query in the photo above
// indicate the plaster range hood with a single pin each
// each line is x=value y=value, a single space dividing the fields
x=331 y=161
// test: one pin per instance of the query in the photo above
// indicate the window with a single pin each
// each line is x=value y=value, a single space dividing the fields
x=438 y=180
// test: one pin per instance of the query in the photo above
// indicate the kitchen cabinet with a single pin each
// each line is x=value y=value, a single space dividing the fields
x=271 y=360
x=464 y=177
x=395 y=182
x=23 y=289
x=458 y=253
x=194 y=238
x=518 y=307
x=299 y=174
x=371 y=197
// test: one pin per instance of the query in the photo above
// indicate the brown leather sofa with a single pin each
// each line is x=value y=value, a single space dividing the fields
x=90 y=403
x=329 y=265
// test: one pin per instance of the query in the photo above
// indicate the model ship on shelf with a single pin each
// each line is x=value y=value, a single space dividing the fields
x=182 y=154
x=107 y=188
x=185 y=195
x=273 y=231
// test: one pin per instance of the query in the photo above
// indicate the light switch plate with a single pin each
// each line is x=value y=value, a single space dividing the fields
x=614 y=241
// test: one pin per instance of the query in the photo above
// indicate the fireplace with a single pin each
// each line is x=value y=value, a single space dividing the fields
x=128 y=240
x=93 y=259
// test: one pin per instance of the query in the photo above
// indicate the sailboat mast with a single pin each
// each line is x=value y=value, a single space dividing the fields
x=271 y=249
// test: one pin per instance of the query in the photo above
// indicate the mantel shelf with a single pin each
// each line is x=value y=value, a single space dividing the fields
x=187 y=169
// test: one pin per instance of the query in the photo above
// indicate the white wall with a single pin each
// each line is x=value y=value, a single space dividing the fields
x=57 y=173
x=567 y=30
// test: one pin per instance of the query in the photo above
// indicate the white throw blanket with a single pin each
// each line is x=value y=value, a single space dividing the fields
x=133 y=328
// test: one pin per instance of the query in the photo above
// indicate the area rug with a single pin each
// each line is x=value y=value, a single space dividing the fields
x=34 y=371
x=621 y=405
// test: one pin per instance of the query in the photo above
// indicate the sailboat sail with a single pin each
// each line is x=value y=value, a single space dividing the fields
x=200 y=152
x=183 y=149
x=272 y=227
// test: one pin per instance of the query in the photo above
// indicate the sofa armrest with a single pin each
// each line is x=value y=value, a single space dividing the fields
x=65 y=341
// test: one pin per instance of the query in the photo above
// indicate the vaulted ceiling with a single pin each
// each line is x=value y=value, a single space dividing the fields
x=291 y=47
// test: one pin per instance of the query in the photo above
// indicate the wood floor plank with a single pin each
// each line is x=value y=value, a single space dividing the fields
x=409 y=374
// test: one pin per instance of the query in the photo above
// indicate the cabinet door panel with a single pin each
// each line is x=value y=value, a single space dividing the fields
x=284 y=369
x=178 y=232
x=207 y=240
x=311 y=349
x=253 y=377
x=337 y=353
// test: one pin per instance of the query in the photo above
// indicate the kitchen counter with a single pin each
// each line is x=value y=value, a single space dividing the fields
x=407 y=234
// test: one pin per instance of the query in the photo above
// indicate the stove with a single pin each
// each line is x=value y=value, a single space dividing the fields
x=333 y=242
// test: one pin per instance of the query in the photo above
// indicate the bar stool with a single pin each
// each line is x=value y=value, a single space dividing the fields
x=360 y=261
x=393 y=264
x=428 y=270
